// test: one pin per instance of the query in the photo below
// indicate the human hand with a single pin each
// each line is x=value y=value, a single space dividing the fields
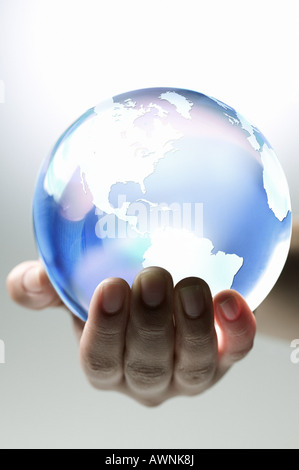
x=152 y=341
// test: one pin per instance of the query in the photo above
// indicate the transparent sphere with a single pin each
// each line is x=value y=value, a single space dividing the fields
x=162 y=177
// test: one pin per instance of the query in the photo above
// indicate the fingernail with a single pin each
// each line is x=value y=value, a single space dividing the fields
x=113 y=296
x=31 y=280
x=229 y=308
x=193 y=300
x=153 y=288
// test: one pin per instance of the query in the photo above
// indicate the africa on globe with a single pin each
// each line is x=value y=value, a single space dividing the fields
x=162 y=177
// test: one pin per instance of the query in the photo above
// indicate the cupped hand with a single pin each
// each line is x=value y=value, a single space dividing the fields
x=152 y=341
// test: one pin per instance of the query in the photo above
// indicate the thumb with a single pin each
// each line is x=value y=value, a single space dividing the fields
x=29 y=286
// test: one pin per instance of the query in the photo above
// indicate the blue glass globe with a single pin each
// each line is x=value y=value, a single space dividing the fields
x=162 y=177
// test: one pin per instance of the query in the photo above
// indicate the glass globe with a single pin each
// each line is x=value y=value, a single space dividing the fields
x=162 y=177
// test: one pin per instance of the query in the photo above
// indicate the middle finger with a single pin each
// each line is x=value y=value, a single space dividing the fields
x=150 y=333
x=196 y=341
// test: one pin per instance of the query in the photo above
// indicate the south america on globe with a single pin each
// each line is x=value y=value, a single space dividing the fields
x=162 y=177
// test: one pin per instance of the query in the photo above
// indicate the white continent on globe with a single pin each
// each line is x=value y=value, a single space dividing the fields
x=184 y=254
x=183 y=106
x=93 y=139
x=275 y=184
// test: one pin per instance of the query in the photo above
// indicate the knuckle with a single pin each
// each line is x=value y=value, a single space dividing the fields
x=196 y=375
x=151 y=335
x=105 y=336
x=145 y=375
x=198 y=342
x=101 y=362
x=237 y=356
x=241 y=333
x=241 y=353
x=103 y=367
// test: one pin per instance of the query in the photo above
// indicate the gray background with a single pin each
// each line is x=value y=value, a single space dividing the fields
x=56 y=60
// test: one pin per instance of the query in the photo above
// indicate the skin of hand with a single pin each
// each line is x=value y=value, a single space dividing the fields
x=278 y=315
x=152 y=341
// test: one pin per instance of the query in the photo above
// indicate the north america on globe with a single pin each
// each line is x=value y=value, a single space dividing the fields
x=162 y=177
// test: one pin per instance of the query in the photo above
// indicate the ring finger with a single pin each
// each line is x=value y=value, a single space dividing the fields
x=196 y=341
